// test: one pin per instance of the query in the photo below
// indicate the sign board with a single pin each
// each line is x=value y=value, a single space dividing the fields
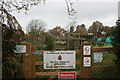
x=87 y=50
x=67 y=76
x=59 y=59
x=98 y=57
x=87 y=62
x=37 y=52
x=20 y=49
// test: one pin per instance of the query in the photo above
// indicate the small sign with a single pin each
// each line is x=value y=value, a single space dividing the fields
x=37 y=52
x=59 y=59
x=87 y=62
x=67 y=76
x=98 y=57
x=87 y=50
x=20 y=49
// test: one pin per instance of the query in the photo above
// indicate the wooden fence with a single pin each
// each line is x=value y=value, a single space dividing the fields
x=29 y=63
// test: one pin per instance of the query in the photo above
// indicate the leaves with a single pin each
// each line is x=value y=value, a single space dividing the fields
x=116 y=40
x=49 y=41
x=11 y=5
x=10 y=68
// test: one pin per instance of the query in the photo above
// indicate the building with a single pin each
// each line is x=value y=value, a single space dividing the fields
x=73 y=41
x=70 y=40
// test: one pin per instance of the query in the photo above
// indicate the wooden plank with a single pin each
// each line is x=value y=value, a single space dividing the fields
x=53 y=77
x=39 y=63
x=78 y=51
x=49 y=73
x=46 y=73
x=104 y=49
x=27 y=62
x=33 y=64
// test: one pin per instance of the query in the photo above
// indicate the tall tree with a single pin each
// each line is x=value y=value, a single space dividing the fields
x=96 y=27
x=36 y=25
x=49 y=41
x=71 y=9
x=116 y=39
x=12 y=34
x=35 y=33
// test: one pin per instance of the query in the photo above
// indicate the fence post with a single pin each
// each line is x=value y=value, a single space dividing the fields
x=85 y=70
x=27 y=62
x=33 y=63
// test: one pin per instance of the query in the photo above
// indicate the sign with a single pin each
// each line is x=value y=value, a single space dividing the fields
x=59 y=59
x=20 y=49
x=37 y=52
x=87 y=62
x=98 y=57
x=87 y=50
x=67 y=76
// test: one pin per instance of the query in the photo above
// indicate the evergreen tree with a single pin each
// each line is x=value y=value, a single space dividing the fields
x=71 y=29
x=116 y=40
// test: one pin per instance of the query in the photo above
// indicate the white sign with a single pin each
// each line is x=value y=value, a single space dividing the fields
x=87 y=50
x=59 y=59
x=87 y=62
x=20 y=49
x=98 y=57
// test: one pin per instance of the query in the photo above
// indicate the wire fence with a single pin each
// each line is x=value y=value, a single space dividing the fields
x=104 y=64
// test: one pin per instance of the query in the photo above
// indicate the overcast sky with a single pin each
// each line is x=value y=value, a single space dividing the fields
x=54 y=13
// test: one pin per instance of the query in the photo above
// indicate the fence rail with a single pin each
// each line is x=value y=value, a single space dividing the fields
x=49 y=73
x=104 y=49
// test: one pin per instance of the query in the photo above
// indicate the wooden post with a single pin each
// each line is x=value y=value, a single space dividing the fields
x=27 y=62
x=85 y=71
x=33 y=63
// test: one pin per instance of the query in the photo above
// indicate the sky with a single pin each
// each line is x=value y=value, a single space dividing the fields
x=54 y=13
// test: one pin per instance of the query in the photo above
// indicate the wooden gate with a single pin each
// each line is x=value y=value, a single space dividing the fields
x=30 y=63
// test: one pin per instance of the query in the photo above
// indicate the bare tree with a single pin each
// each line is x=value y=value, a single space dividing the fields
x=71 y=11
x=11 y=5
x=36 y=25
